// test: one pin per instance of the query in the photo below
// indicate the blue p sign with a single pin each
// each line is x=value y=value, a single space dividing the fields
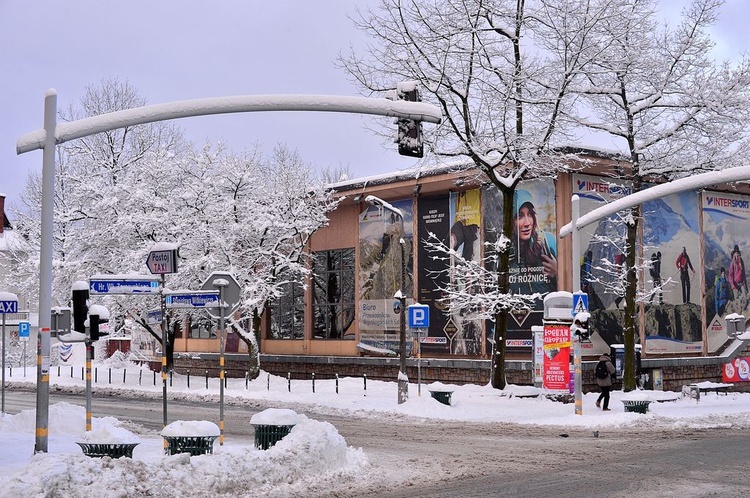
x=419 y=316
x=23 y=330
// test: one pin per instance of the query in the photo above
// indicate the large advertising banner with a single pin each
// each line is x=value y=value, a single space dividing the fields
x=602 y=260
x=533 y=257
x=380 y=272
x=556 y=345
x=726 y=224
x=464 y=336
x=433 y=219
x=671 y=238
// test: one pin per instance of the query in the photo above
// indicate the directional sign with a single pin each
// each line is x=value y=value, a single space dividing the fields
x=24 y=328
x=580 y=303
x=142 y=285
x=152 y=317
x=162 y=261
x=192 y=299
x=419 y=316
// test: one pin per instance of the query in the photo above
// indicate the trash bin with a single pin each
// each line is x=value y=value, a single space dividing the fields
x=190 y=436
x=272 y=425
x=195 y=445
x=112 y=450
x=442 y=396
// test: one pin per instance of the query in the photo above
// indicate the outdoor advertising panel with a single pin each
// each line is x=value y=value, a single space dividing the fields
x=380 y=272
x=726 y=224
x=672 y=280
x=556 y=346
x=533 y=258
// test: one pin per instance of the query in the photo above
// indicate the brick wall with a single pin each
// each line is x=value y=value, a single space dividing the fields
x=675 y=372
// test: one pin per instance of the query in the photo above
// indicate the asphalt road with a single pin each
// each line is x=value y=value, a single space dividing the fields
x=422 y=458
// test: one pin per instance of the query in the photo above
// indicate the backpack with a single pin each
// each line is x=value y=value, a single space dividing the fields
x=601 y=372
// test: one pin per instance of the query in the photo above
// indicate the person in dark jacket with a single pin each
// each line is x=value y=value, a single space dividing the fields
x=605 y=384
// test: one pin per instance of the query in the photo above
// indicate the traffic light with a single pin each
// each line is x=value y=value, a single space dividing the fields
x=409 y=130
x=80 y=306
x=99 y=315
x=580 y=327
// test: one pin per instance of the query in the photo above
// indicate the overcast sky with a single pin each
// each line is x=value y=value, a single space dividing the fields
x=174 y=50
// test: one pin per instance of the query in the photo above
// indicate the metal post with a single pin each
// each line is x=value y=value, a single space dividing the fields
x=45 y=272
x=221 y=284
x=3 y=379
x=576 y=250
x=89 y=357
x=419 y=364
x=403 y=380
x=164 y=348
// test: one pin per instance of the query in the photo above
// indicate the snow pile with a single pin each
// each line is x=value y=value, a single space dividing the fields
x=108 y=434
x=311 y=453
x=275 y=416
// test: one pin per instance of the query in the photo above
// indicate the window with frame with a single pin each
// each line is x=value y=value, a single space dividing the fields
x=333 y=293
x=288 y=311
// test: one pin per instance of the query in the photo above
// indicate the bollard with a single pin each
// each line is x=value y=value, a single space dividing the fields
x=154 y=377
x=188 y=379
x=110 y=375
x=313 y=382
x=247 y=379
x=337 y=383
x=289 y=381
x=268 y=382
x=140 y=376
x=83 y=373
x=206 y=379
x=226 y=379
x=171 y=374
x=71 y=372
x=124 y=375
x=365 y=384
x=11 y=371
x=58 y=371
x=96 y=375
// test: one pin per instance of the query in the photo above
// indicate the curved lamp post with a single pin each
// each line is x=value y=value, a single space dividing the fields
x=403 y=379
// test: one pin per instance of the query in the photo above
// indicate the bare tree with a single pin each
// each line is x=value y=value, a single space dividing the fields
x=501 y=71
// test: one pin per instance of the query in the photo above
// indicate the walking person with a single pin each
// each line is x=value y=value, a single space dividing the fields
x=684 y=265
x=603 y=372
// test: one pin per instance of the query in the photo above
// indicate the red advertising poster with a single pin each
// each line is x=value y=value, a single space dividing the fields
x=737 y=370
x=556 y=357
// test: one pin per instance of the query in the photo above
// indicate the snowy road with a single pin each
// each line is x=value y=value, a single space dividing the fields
x=415 y=457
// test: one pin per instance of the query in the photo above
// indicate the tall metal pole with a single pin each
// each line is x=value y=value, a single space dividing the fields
x=576 y=250
x=164 y=348
x=3 y=379
x=89 y=358
x=221 y=284
x=45 y=273
x=403 y=379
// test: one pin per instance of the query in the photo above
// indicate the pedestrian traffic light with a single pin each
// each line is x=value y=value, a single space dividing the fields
x=409 y=130
x=80 y=305
x=99 y=315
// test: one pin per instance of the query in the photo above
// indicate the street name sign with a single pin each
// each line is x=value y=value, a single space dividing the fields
x=120 y=285
x=192 y=299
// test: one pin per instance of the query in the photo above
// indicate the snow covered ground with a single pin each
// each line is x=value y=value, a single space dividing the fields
x=313 y=453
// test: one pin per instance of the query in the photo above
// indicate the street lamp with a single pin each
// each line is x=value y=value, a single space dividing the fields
x=403 y=379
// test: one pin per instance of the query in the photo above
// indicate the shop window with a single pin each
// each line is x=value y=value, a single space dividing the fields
x=288 y=312
x=202 y=329
x=333 y=293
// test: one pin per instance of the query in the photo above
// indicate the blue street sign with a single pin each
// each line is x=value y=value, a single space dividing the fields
x=124 y=286
x=193 y=299
x=8 y=307
x=580 y=303
x=419 y=316
x=24 y=328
